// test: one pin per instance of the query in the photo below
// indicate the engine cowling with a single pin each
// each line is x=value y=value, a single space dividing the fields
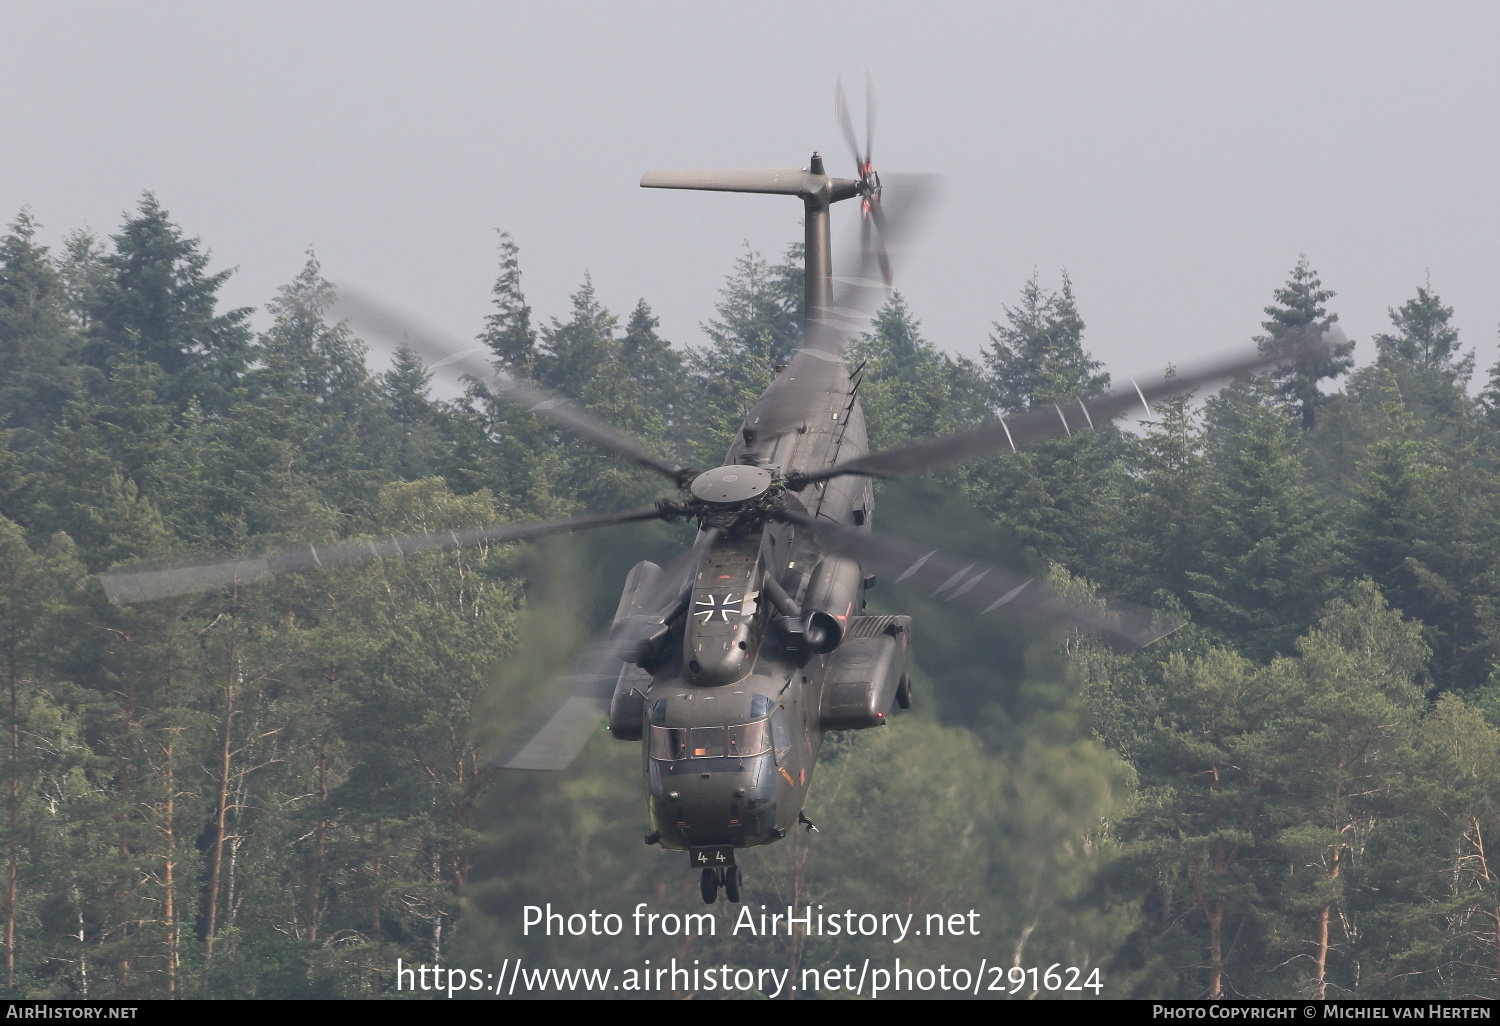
x=832 y=597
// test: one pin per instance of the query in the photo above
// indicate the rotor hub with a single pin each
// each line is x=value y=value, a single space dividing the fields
x=731 y=485
x=869 y=188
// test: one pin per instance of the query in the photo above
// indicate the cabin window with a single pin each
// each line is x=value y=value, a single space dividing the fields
x=781 y=738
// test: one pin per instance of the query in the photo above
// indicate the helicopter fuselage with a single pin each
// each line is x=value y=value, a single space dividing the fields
x=732 y=712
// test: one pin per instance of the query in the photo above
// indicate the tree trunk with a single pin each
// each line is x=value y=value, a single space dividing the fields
x=13 y=822
x=221 y=815
x=1320 y=982
x=169 y=916
x=376 y=931
x=320 y=838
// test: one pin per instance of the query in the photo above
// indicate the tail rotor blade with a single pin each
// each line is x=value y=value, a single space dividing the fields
x=898 y=218
x=869 y=119
x=841 y=112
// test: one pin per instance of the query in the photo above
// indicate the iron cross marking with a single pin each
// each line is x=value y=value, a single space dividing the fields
x=710 y=606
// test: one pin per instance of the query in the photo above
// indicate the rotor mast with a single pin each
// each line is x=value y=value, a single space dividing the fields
x=818 y=192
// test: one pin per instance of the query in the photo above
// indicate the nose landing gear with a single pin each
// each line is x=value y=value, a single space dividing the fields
x=727 y=878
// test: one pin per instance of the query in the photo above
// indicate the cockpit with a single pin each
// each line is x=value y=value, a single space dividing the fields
x=732 y=742
x=738 y=741
x=715 y=780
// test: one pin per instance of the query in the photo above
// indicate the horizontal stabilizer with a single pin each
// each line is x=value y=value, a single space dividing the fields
x=785 y=181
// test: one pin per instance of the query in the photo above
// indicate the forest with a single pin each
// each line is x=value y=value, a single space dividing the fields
x=279 y=789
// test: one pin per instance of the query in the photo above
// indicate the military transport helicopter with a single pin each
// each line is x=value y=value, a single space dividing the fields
x=731 y=663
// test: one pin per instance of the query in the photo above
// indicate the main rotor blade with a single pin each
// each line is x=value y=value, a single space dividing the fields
x=126 y=586
x=983 y=587
x=1015 y=433
x=432 y=345
x=562 y=726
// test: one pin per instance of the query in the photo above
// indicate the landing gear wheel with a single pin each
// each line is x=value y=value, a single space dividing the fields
x=903 y=692
x=732 y=883
x=710 y=886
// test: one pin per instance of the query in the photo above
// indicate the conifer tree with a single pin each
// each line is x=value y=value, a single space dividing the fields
x=758 y=324
x=156 y=303
x=508 y=330
x=909 y=389
x=1166 y=504
x=1037 y=357
x=573 y=352
x=414 y=415
x=1342 y=740
x=1297 y=313
x=1271 y=561
x=35 y=336
x=1423 y=353
x=313 y=380
x=1061 y=496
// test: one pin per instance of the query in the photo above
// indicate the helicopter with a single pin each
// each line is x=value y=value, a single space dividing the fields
x=729 y=665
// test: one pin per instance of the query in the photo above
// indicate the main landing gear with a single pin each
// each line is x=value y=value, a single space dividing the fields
x=727 y=878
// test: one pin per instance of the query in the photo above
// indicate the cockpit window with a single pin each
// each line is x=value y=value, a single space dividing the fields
x=739 y=740
x=706 y=743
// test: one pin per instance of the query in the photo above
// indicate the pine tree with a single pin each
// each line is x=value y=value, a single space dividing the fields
x=508 y=330
x=1297 y=314
x=312 y=377
x=1037 y=357
x=1439 y=891
x=573 y=352
x=1423 y=353
x=1392 y=515
x=1199 y=828
x=1166 y=504
x=1271 y=561
x=909 y=389
x=157 y=304
x=758 y=325
x=35 y=336
x=1061 y=496
x=1424 y=338
x=414 y=414
x=1342 y=744
x=658 y=370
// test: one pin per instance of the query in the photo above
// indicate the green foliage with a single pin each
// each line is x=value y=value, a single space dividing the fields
x=35 y=336
x=155 y=302
x=1270 y=560
x=1036 y=357
x=279 y=789
x=1298 y=314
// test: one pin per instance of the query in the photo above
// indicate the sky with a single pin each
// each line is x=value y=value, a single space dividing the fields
x=1174 y=158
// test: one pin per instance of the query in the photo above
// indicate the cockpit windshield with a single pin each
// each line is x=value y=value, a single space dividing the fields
x=739 y=740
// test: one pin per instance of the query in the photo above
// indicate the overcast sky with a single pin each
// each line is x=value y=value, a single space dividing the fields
x=1174 y=158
